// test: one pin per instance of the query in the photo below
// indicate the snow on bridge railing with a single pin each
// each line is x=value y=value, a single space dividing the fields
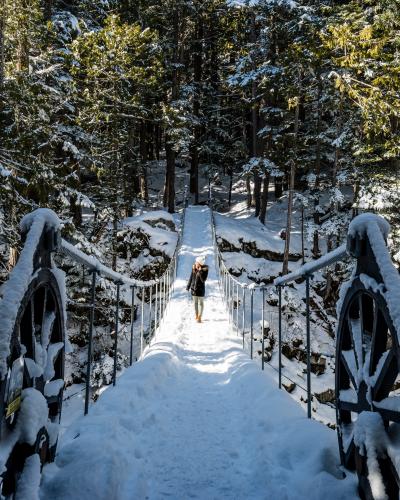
x=33 y=338
x=235 y=294
x=367 y=360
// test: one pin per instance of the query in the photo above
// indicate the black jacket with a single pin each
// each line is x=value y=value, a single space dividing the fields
x=196 y=283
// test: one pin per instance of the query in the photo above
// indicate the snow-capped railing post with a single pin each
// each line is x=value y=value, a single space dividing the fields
x=262 y=329
x=90 y=340
x=308 y=347
x=243 y=314
x=151 y=307
x=251 y=321
x=155 y=306
x=142 y=325
x=280 y=337
x=118 y=284
x=237 y=308
x=132 y=321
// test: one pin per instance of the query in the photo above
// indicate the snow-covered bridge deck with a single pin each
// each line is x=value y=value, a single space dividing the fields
x=196 y=418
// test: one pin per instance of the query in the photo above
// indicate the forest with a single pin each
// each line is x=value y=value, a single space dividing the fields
x=110 y=108
x=302 y=96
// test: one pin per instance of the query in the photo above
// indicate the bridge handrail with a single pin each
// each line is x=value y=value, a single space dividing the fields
x=310 y=268
x=93 y=264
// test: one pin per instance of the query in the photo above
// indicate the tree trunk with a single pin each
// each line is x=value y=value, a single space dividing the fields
x=170 y=177
x=329 y=280
x=76 y=211
x=264 y=199
x=144 y=193
x=2 y=40
x=114 y=243
x=48 y=9
x=337 y=146
x=248 y=192
x=278 y=187
x=257 y=194
x=169 y=189
x=23 y=39
x=158 y=139
x=197 y=75
x=285 y=267
x=316 y=251
x=230 y=187
x=255 y=126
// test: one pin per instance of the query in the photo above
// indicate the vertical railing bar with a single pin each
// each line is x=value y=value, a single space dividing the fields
x=90 y=342
x=262 y=329
x=308 y=346
x=142 y=324
x=237 y=308
x=119 y=283
x=132 y=320
x=150 y=309
x=228 y=303
x=243 y=314
x=280 y=336
x=231 y=299
x=159 y=304
x=155 y=307
x=251 y=321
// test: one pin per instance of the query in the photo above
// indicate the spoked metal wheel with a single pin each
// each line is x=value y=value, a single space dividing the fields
x=367 y=380
x=36 y=360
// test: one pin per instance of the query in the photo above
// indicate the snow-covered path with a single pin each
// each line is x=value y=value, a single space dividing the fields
x=196 y=418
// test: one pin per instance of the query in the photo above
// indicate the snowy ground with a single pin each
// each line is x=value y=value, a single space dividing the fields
x=196 y=418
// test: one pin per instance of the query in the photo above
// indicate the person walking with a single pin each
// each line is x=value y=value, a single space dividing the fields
x=196 y=285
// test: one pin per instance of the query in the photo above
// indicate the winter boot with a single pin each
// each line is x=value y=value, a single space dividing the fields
x=198 y=319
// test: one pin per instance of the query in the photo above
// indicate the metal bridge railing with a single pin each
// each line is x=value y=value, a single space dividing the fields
x=157 y=291
x=247 y=297
x=33 y=333
x=305 y=271
x=367 y=357
x=240 y=300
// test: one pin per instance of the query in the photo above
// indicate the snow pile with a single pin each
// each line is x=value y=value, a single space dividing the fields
x=242 y=233
x=13 y=291
x=371 y=439
x=160 y=228
x=32 y=416
x=29 y=482
x=196 y=417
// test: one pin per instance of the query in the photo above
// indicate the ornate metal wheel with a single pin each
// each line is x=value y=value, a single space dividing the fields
x=367 y=378
x=36 y=360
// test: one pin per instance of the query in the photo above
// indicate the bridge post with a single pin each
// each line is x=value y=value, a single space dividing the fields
x=280 y=336
x=142 y=324
x=150 y=307
x=262 y=329
x=237 y=308
x=251 y=321
x=119 y=283
x=243 y=314
x=90 y=342
x=132 y=320
x=308 y=345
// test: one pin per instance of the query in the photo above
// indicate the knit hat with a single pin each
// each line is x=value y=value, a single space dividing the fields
x=201 y=260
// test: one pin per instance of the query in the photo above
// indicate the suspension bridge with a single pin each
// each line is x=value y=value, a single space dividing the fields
x=196 y=417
